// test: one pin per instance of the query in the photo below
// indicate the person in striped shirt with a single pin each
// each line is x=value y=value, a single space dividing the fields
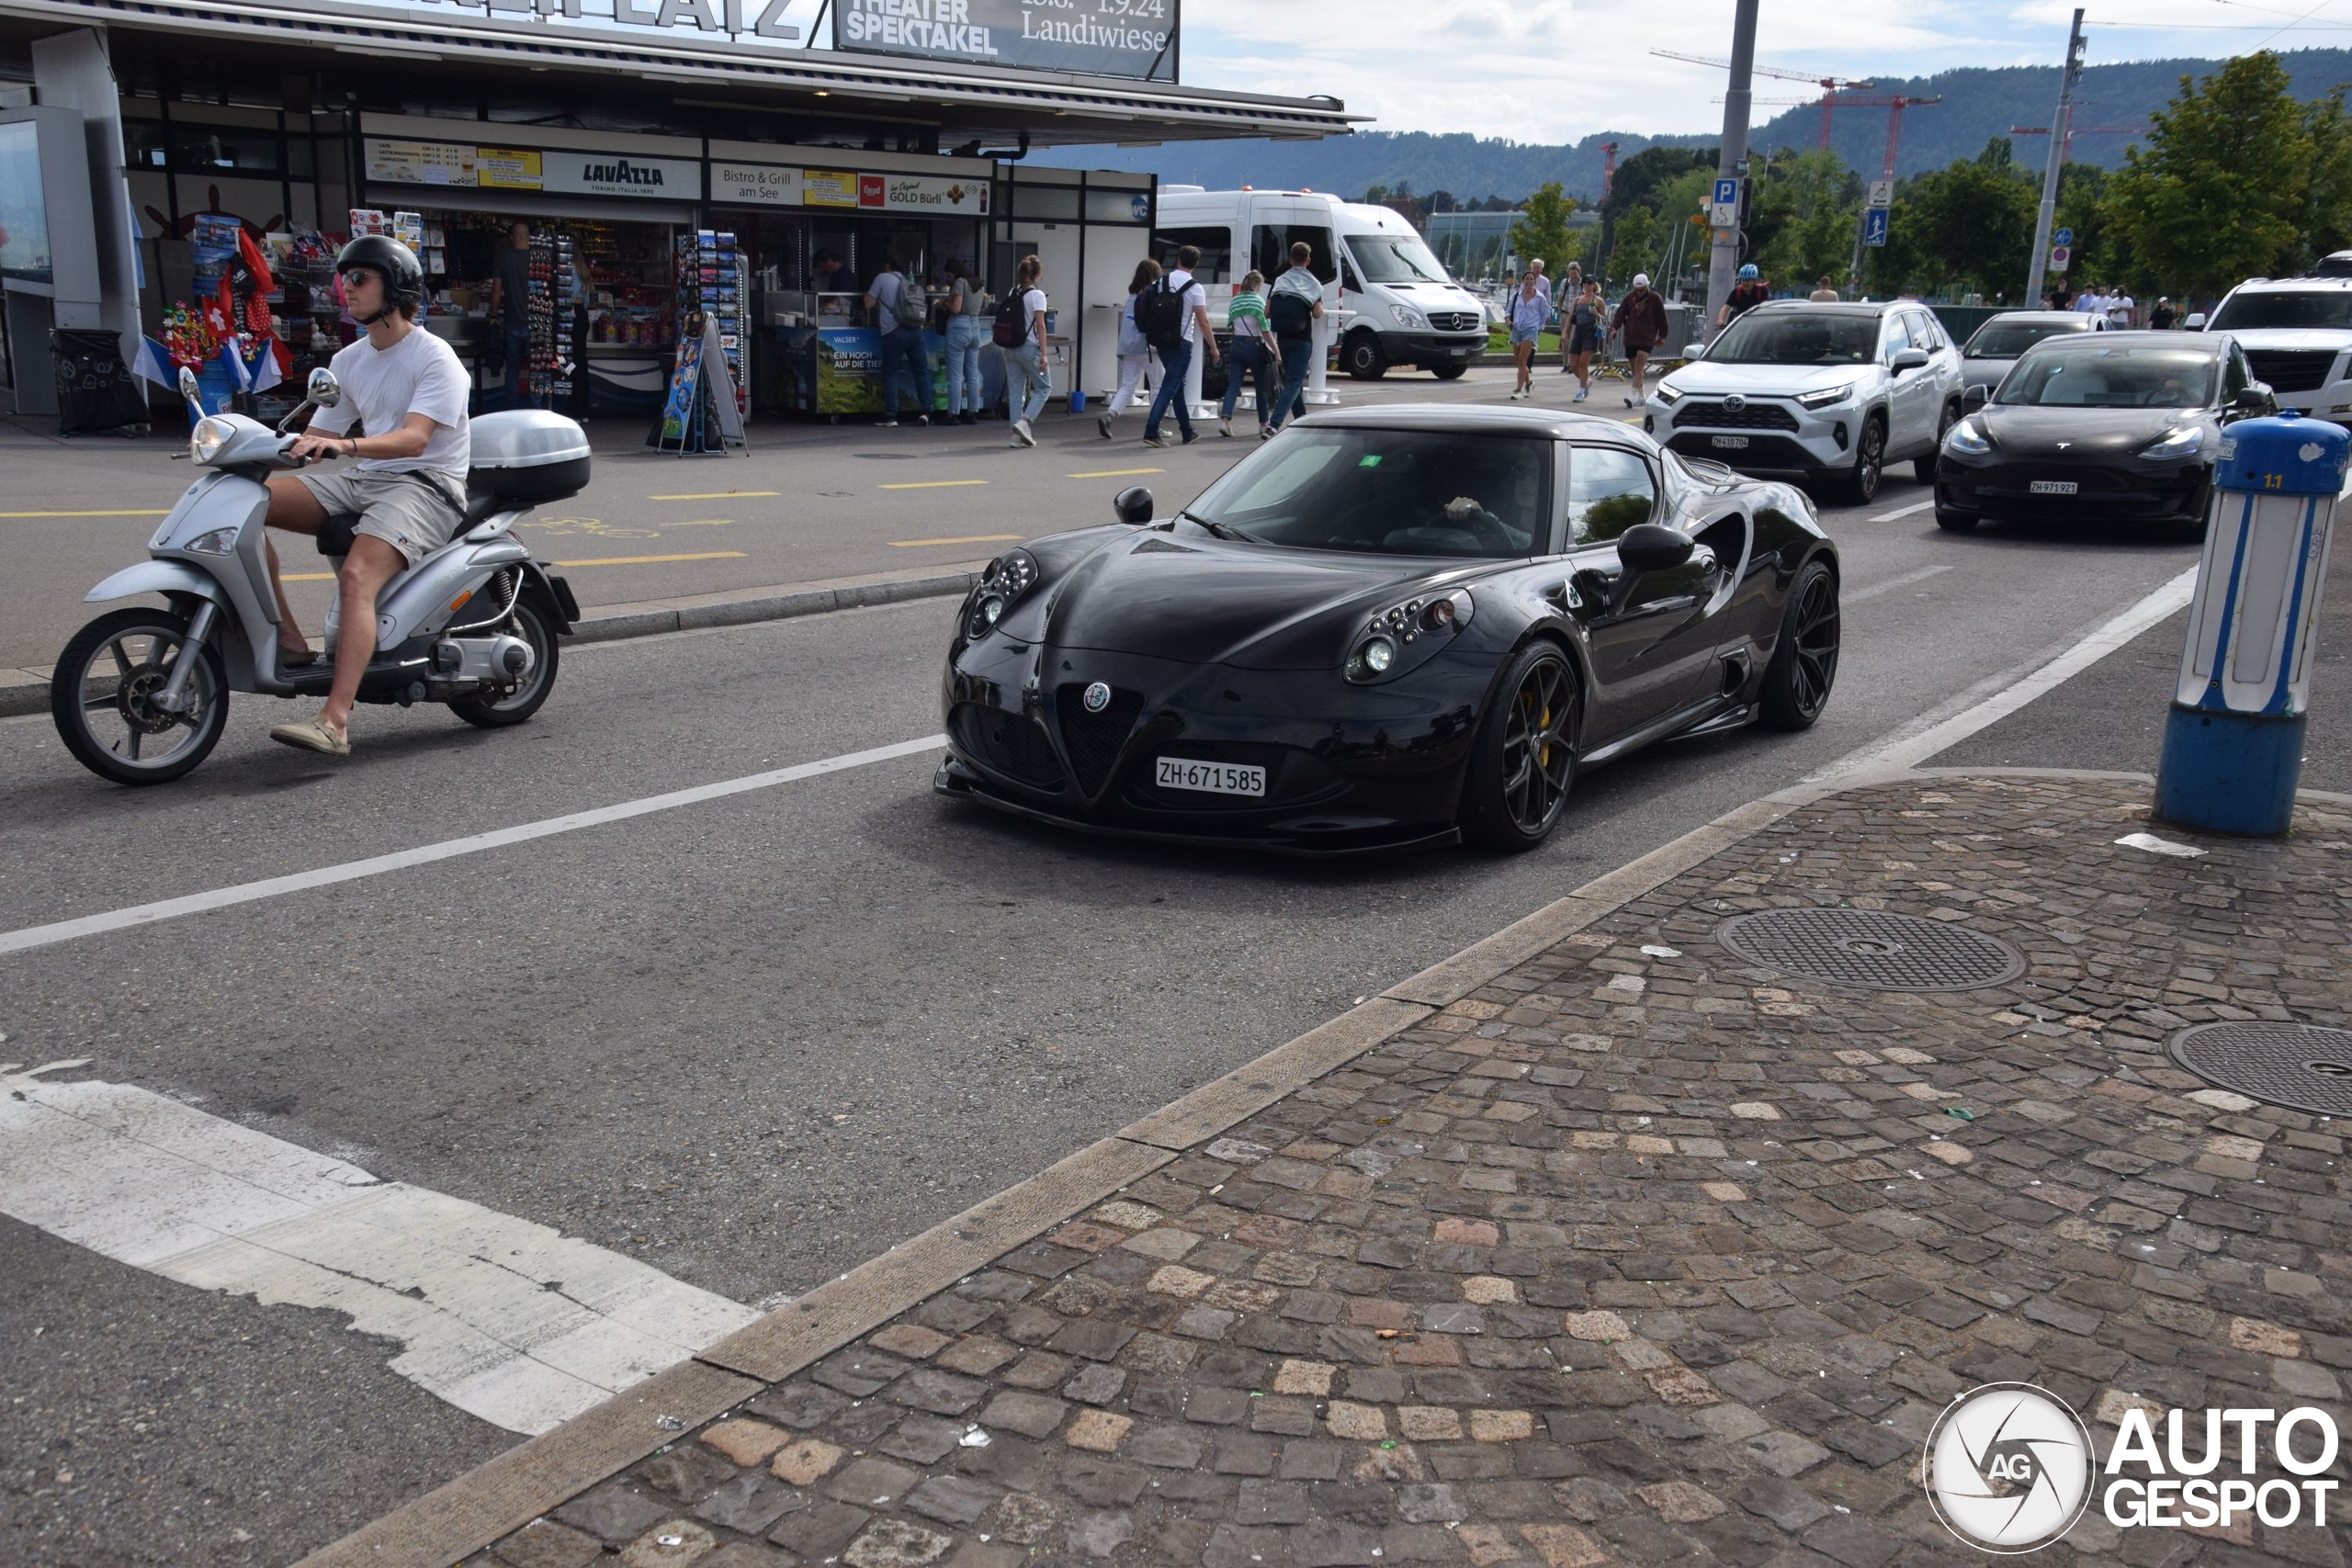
x=1253 y=353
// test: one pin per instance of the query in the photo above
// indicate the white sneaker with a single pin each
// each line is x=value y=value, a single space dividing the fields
x=1580 y=397
x=1224 y=427
x=1021 y=434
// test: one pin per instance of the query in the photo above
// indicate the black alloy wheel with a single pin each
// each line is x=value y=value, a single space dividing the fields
x=1922 y=467
x=1361 y=358
x=1524 y=758
x=1860 y=488
x=1805 y=666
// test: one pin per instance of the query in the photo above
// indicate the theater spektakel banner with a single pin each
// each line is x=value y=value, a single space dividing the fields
x=1103 y=38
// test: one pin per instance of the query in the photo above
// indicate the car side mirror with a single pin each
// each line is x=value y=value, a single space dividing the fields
x=1133 y=504
x=1653 y=546
x=1975 y=397
x=2255 y=398
x=323 y=388
x=1695 y=351
x=2193 y=324
x=1909 y=360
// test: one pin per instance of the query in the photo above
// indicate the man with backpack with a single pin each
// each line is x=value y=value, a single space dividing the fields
x=900 y=304
x=1293 y=308
x=1175 y=317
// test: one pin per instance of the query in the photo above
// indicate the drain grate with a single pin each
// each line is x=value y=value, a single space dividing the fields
x=2300 y=1066
x=1871 y=949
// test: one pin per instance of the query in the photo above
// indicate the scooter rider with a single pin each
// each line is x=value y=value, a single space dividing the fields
x=407 y=390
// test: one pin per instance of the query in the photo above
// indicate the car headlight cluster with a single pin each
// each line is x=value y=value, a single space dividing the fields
x=1409 y=318
x=1386 y=636
x=212 y=432
x=1826 y=397
x=1006 y=579
x=2185 y=442
x=1968 y=438
x=1668 y=395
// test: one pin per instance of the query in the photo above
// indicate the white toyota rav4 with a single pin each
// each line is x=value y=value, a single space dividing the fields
x=2296 y=333
x=1828 y=394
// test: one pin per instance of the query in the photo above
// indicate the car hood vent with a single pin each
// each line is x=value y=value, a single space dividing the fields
x=1162 y=547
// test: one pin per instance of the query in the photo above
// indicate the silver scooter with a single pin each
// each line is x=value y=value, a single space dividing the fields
x=140 y=695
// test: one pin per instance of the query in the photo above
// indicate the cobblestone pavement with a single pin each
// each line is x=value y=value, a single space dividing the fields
x=1637 y=1255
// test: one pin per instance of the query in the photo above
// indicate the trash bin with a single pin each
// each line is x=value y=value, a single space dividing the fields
x=95 y=389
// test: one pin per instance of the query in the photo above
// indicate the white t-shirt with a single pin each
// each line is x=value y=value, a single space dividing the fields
x=1195 y=298
x=381 y=388
x=1033 y=305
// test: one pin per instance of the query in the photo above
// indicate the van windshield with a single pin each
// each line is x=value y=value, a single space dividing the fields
x=1396 y=258
x=2330 y=309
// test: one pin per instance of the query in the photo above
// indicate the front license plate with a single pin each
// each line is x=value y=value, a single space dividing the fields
x=2053 y=486
x=1216 y=778
x=1731 y=443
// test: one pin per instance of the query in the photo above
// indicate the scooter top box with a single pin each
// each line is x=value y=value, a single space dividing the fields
x=531 y=454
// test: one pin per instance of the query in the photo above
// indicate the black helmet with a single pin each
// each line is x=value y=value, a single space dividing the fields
x=402 y=273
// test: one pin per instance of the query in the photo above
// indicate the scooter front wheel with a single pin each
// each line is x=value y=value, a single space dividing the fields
x=103 y=693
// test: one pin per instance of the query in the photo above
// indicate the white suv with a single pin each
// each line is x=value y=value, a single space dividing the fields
x=1828 y=394
x=2296 y=333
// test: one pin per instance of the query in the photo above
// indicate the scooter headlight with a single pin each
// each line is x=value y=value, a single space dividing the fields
x=211 y=434
x=218 y=542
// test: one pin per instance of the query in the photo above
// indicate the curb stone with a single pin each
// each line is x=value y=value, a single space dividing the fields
x=473 y=1510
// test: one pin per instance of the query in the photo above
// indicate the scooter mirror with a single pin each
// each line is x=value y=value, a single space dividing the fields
x=323 y=388
x=187 y=383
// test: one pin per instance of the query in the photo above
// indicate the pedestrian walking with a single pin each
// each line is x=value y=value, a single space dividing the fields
x=900 y=307
x=967 y=329
x=1750 y=291
x=1824 y=291
x=1571 y=291
x=2162 y=317
x=510 y=306
x=1136 y=357
x=1019 y=332
x=1641 y=318
x=2123 y=311
x=1175 y=313
x=1585 y=325
x=1293 y=305
x=1529 y=313
x=1251 y=353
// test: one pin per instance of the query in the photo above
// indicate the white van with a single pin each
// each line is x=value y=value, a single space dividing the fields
x=1386 y=300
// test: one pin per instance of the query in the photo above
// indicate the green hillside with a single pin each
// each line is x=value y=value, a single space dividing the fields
x=1977 y=105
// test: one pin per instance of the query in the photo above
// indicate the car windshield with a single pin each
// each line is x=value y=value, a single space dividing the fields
x=2251 y=310
x=2091 y=376
x=1398 y=493
x=1795 y=337
x=2006 y=340
x=1395 y=258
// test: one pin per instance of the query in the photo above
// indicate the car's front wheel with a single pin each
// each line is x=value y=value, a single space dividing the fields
x=1448 y=372
x=1860 y=487
x=1523 y=760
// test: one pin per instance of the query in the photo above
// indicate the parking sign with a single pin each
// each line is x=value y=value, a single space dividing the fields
x=1723 y=213
x=1875 y=226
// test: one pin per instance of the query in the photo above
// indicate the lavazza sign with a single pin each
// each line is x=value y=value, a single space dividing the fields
x=2010 y=1468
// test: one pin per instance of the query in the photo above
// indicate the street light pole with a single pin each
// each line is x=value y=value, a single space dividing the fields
x=1732 y=162
x=2059 y=127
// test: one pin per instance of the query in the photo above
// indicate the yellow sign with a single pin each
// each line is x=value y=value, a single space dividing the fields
x=508 y=168
x=420 y=162
x=828 y=188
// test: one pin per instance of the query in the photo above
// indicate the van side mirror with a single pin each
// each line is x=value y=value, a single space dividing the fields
x=1133 y=504
x=2195 y=322
x=1975 y=397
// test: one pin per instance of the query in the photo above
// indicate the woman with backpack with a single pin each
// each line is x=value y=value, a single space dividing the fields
x=1020 y=335
x=965 y=332
x=1136 y=356
x=1251 y=353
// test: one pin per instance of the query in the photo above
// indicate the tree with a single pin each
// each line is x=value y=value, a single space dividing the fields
x=1441 y=201
x=1541 y=230
x=2326 y=221
x=1801 y=217
x=1957 y=229
x=1375 y=194
x=1637 y=249
x=2219 y=192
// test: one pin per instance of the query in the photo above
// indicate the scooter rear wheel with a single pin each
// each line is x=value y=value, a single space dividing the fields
x=101 y=698
x=533 y=626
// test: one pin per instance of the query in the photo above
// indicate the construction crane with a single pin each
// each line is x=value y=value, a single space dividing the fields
x=2066 y=150
x=1608 y=168
x=1828 y=84
x=1896 y=103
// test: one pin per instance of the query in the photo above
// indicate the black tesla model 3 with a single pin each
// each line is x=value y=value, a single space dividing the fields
x=2112 y=426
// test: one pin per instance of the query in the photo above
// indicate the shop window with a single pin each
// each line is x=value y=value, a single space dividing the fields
x=1055 y=204
x=1269 y=246
x=1215 y=246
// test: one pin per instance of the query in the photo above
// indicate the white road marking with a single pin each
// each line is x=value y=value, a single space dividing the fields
x=1902 y=579
x=425 y=855
x=1905 y=511
x=1989 y=700
x=507 y=1320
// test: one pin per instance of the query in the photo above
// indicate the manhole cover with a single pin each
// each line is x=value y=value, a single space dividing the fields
x=1874 y=951
x=2299 y=1065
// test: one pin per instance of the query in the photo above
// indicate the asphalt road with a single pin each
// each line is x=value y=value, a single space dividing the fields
x=749 y=1041
x=811 y=501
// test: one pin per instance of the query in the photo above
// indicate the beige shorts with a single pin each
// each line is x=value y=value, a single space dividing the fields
x=413 y=513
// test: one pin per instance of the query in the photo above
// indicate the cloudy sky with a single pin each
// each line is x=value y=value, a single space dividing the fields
x=1555 y=69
